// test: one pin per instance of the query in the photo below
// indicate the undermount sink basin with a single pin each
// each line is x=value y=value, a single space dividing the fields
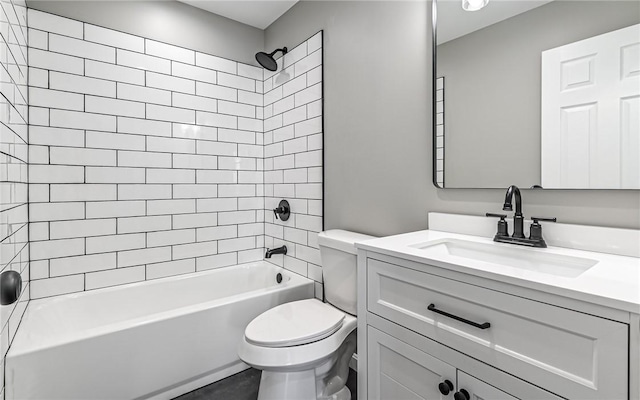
x=515 y=257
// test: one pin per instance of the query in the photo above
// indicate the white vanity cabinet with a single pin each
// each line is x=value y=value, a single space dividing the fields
x=398 y=371
x=422 y=325
x=478 y=390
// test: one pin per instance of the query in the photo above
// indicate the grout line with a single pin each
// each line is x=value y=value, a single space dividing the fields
x=258 y=168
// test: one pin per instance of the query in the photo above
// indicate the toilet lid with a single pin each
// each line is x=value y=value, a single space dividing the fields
x=295 y=323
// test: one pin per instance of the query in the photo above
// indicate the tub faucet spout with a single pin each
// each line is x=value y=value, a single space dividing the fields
x=277 y=250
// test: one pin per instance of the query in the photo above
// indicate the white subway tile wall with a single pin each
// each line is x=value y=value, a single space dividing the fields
x=440 y=131
x=149 y=159
x=293 y=149
x=14 y=157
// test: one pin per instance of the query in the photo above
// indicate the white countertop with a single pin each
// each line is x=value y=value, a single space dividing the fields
x=613 y=282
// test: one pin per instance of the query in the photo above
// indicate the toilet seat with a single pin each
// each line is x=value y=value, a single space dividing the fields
x=295 y=357
x=294 y=324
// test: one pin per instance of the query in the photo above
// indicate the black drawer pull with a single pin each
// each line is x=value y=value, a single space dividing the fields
x=432 y=307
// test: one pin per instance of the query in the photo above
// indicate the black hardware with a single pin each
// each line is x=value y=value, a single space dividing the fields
x=503 y=228
x=461 y=395
x=445 y=387
x=283 y=210
x=432 y=307
x=502 y=235
x=521 y=241
x=501 y=216
x=10 y=287
x=536 y=219
x=518 y=219
x=535 y=231
x=277 y=250
x=267 y=61
x=279 y=277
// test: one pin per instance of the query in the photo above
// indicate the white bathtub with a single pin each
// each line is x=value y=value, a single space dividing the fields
x=154 y=339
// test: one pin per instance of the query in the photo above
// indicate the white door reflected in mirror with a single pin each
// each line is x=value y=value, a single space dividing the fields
x=591 y=112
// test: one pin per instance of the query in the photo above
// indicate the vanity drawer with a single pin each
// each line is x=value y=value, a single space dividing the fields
x=574 y=355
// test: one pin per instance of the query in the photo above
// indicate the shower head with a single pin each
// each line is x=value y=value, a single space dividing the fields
x=267 y=61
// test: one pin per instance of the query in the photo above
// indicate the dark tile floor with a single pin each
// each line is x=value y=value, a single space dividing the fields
x=244 y=386
x=241 y=386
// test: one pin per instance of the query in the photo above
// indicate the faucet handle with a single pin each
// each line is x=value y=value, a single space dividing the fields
x=536 y=219
x=503 y=230
x=535 y=231
x=501 y=216
x=283 y=210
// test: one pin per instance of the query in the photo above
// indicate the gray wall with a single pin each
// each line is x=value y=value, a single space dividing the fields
x=166 y=21
x=378 y=126
x=492 y=91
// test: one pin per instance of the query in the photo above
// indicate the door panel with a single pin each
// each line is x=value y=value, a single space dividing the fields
x=399 y=371
x=590 y=113
x=478 y=390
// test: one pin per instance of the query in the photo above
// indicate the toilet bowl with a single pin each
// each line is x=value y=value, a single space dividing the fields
x=304 y=347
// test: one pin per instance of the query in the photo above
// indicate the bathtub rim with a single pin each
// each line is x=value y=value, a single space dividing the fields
x=19 y=349
x=176 y=277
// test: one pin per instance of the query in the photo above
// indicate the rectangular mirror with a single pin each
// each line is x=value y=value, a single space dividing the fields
x=537 y=94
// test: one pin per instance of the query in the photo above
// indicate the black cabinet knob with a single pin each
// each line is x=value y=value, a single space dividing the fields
x=445 y=387
x=461 y=395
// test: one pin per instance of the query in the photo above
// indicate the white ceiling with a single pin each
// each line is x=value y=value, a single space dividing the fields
x=257 y=13
x=454 y=22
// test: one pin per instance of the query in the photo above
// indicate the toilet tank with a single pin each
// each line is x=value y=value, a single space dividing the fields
x=339 y=267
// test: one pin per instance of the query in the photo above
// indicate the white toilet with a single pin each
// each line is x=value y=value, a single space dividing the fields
x=304 y=347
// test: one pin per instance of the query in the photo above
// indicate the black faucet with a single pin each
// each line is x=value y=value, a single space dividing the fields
x=535 y=238
x=283 y=210
x=518 y=218
x=277 y=250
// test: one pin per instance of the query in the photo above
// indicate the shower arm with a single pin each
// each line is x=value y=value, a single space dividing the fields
x=283 y=50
